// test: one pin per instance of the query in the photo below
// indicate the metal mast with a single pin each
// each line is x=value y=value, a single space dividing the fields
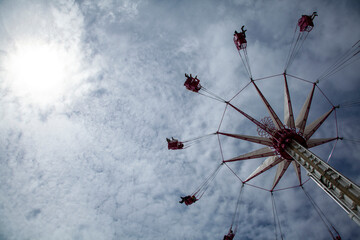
x=341 y=189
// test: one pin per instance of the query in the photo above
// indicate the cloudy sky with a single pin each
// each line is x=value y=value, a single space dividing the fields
x=89 y=90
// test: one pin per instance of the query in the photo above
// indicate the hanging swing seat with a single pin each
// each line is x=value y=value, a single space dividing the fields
x=240 y=40
x=229 y=236
x=192 y=84
x=305 y=23
x=174 y=144
x=188 y=200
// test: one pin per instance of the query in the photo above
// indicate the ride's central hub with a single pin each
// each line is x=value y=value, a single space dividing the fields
x=283 y=137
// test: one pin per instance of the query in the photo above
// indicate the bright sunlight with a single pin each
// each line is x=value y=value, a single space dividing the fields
x=38 y=72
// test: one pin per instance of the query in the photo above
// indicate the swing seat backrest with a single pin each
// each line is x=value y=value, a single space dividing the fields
x=240 y=41
x=305 y=23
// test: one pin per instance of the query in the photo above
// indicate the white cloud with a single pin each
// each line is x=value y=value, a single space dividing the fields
x=94 y=165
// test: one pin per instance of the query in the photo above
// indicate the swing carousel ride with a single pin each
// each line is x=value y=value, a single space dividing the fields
x=286 y=142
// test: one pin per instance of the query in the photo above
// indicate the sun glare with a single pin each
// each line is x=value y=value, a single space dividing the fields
x=37 y=73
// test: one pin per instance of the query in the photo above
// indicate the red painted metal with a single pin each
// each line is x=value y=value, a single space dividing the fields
x=316 y=142
x=291 y=114
x=174 y=144
x=188 y=200
x=257 y=123
x=336 y=123
x=282 y=189
x=246 y=156
x=259 y=79
x=282 y=138
x=221 y=151
x=309 y=134
x=222 y=118
x=240 y=39
x=281 y=174
x=273 y=115
x=192 y=84
x=229 y=236
x=260 y=140
x=254 y=186
x=269 y=124
x=234 y=173
x=306 y=22
x=302 y=123
x=278 y=160
x=326 y=97
x=239 y=91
